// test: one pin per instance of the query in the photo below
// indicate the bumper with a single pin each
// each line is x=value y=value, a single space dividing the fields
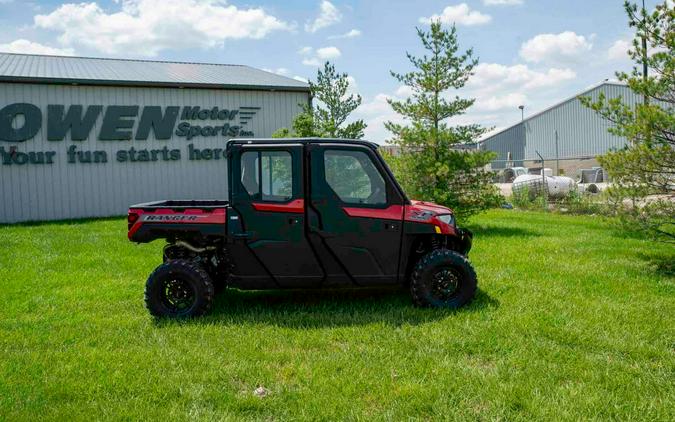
x=466 y=240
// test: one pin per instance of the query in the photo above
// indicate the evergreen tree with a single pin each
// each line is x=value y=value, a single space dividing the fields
x=432 y=164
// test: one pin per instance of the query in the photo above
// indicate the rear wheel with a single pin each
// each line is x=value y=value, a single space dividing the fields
x=179 y=289
x=443 y=279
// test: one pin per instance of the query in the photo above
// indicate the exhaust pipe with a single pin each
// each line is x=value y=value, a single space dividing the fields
x=195 y=249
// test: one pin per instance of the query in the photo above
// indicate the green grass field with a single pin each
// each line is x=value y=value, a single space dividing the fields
x=573 y=320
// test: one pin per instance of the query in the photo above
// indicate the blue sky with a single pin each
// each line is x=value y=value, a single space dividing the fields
x=532 y=52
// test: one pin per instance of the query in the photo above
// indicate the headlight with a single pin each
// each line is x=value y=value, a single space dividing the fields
x=448 y=219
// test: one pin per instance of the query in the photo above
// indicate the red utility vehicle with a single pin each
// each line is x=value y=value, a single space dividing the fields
x=303 y=213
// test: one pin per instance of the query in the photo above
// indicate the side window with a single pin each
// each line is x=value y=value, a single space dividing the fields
x=274 y=169
x=250 y=172
x=277 y=176
x=354 y=177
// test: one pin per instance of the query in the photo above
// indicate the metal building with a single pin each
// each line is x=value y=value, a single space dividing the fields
x=565 y=132
x=85 y=137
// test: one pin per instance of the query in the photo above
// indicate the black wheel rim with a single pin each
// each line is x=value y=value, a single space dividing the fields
x=445 y=284
x=178 y=295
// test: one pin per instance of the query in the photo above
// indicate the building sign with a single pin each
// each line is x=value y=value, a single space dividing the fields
x=20 y=122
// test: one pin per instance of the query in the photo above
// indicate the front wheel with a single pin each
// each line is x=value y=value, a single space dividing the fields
x=179 y=289
x=443 y=279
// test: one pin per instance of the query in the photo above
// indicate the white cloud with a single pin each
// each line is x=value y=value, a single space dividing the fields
x=619 y=50
x=312 y=61
x=349 y=34
x=493 y=76
x=353 y=87
x=375 y=113
x=502 y=2
x=328 y=15
x=279 y=71
x=556 y=48
x=305 y=50
x=460 y=14
x=146 y=27
x=552 y=77
x=328 y=53
x=376 y=106
x=500 y=102
x=287 y=73
x=404 y=91
x=319 y=56
x=499 y=90
x=28 y=47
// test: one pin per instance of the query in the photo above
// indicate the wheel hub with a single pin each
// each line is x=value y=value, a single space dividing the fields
x=445 y=283
x=178 y=294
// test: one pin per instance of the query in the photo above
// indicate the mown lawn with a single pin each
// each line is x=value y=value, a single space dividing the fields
x=573 y=320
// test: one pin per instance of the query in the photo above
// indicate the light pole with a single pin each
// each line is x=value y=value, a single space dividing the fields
x=522 y=112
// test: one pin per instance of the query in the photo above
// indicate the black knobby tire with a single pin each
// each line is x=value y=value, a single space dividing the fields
x=443 y=279
x=179 y=289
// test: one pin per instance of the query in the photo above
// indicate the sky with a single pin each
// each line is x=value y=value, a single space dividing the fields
x=531 y=52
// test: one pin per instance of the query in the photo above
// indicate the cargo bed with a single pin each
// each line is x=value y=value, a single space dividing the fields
x=182 y=204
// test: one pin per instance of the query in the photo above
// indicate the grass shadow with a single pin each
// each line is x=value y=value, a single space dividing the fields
x=502 y=231
x=326 y=308
x=662 y=264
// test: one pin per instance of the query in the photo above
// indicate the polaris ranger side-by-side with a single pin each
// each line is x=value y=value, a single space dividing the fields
x=303 y=213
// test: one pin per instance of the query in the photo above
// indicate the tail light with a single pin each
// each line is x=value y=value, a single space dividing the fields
x=132 y=218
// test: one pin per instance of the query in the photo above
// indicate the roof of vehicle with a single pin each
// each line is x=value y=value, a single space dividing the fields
x=244 y=141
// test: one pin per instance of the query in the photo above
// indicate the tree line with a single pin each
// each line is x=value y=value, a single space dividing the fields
x=434 y=164
x=429 y=165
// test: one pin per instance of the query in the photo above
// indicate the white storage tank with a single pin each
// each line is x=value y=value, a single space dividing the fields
x=556 y=187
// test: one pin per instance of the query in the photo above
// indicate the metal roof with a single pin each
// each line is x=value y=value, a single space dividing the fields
x=549 y=108
x=116 y=72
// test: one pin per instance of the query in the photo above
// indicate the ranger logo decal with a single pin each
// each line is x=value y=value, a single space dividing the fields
x=170 y=218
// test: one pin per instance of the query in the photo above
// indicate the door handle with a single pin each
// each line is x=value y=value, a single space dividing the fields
x=244 y=235
x=391 y=227
x=292 y=221
x=324 y=233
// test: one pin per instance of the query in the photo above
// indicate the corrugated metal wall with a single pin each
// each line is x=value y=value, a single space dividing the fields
x=511 y=140
x=580 y=131
x=72 y=190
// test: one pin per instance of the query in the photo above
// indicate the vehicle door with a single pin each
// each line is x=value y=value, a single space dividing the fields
x=268 y=195
x=355 y=214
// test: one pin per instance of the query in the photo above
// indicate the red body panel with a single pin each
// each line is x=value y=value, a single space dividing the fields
x=169 y=216
x=427 y=213
x=393 y=212
x=417 y=212
x=296 y=207
x=427 y=206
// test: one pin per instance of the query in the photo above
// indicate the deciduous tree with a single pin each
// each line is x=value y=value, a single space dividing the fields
x=331 y=108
